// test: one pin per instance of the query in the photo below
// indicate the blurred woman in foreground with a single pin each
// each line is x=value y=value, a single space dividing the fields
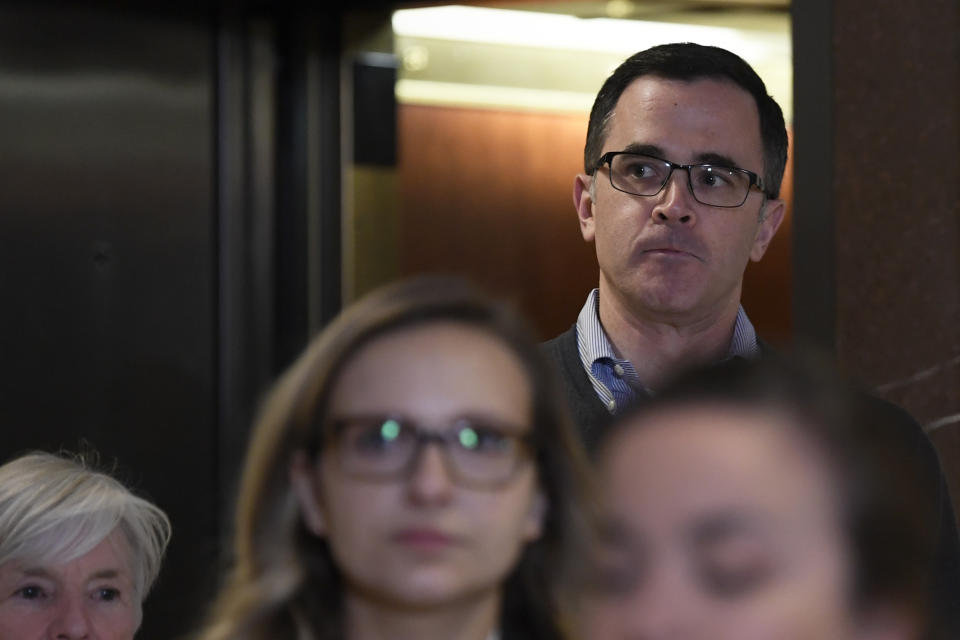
x=761 y=502
x=411 y=476
x=78 y=551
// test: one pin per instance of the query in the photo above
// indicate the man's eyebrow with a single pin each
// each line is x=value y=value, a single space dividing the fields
x=716 y=158
x=707 y=157
x=644 y=149
x=35 y=572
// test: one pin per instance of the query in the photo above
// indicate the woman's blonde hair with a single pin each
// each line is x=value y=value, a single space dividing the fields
x=284 y=583
x=55 y=508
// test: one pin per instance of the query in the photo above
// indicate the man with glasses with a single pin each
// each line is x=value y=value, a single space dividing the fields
x=683 y=162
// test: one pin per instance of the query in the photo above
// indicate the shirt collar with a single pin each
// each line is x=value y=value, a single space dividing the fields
x=594 y=345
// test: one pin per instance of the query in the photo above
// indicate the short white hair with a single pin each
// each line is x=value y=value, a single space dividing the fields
x=55 y=508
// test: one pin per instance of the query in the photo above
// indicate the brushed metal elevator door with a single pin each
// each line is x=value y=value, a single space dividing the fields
x=108 y=263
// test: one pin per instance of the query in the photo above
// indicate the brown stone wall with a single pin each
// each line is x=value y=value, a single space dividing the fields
x=896 y=186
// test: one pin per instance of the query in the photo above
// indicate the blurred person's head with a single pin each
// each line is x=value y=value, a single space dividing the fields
x=415 y=459
x=78 y=551
x=760 y=502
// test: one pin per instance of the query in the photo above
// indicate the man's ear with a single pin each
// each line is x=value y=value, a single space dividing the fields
x=533 y=527
x=303 y=481
x=583 y=201
x=771 y=217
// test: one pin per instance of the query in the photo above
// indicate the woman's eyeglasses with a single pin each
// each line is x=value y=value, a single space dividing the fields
x=477 y=452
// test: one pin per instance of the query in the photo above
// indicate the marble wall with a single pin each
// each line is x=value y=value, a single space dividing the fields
x=889 y=134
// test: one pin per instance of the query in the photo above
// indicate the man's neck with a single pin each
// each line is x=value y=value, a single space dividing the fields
x=662 y=347
x=472 y=618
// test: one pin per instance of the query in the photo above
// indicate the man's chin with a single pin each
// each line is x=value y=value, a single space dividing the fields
x=666 y=294
x=667 y=303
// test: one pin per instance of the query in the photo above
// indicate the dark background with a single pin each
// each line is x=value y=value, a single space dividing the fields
x=170 y=181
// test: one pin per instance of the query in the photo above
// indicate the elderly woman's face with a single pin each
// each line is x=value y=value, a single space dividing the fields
x=723 y=525
x=414 y=521
x=90 y=597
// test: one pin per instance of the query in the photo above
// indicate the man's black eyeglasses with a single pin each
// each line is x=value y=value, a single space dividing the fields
x=710 y=184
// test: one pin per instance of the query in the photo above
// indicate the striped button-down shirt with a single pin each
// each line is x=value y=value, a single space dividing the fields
x=614 y=379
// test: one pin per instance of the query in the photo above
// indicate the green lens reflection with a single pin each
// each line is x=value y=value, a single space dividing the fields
x=468 y=438
x=390 y=429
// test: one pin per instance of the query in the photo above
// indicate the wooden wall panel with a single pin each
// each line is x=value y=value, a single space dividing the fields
x=488 y=194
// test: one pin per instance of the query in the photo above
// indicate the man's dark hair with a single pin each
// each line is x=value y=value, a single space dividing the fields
x=689 y=61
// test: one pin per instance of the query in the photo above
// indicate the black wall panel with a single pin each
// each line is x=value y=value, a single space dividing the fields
x=137 y=266
x=169 y=239
x=108 y=264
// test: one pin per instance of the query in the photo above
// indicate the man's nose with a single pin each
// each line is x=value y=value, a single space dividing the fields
x=71 y=621
x=675 y=203
x=429 y=481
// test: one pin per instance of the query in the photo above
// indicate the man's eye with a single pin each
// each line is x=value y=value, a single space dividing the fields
x=715 y=178
x=639 y=170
